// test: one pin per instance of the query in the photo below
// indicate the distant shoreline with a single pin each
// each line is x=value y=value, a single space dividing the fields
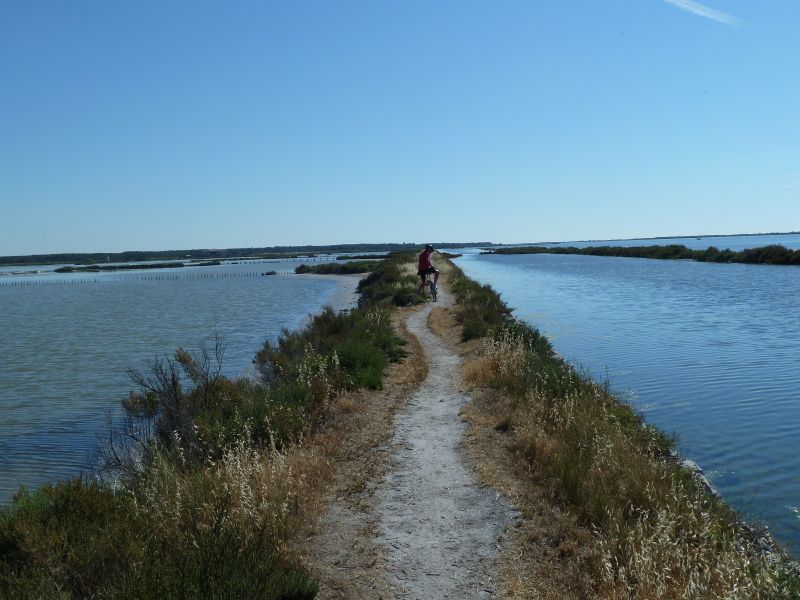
x=765 y=255
x=95 y=259
x=661 y=237
x=266 y=252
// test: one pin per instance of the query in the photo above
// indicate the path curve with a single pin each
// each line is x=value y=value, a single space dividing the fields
x=439 y=527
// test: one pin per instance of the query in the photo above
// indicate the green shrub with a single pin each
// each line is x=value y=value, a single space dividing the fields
x=480 y=308
x=76 y=536
x=363 y=363
x=388 y=284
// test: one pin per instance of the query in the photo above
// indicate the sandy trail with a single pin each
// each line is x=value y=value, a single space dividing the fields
x=439 y=528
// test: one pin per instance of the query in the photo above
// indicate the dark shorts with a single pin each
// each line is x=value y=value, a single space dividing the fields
x=422 y=274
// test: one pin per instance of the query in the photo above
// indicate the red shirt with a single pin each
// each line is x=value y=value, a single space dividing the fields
x=424 y=261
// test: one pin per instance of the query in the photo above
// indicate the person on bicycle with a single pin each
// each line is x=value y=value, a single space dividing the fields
x=425 y=268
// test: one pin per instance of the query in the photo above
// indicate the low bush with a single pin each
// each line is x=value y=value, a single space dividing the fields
x=392 y=283
x=481 y=308
x=169 y=539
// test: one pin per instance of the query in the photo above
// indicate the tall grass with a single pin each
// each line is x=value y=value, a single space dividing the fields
x=658 y=532
x=209 y=484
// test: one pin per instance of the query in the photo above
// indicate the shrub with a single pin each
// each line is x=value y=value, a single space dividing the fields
x=74 y=536
x=391 y=284
x=480 y=307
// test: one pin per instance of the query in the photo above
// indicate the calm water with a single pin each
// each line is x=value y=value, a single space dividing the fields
x=65 y=347
x=710 y=352
x=732 y=242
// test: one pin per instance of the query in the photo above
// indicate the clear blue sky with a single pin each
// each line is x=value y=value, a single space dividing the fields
x=156 y=125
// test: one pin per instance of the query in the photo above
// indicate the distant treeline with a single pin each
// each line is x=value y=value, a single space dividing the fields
x=218 y=254
x=766 y=255
x=349 y=268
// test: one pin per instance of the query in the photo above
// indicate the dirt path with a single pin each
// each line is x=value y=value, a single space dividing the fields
x=439 y=528
x=341 y=549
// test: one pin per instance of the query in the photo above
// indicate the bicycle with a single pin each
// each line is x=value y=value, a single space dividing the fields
x=429 y=288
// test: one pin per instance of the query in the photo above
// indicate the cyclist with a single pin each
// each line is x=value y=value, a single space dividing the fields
x=425 y=267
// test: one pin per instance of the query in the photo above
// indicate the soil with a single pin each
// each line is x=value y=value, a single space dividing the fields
x=340 y=548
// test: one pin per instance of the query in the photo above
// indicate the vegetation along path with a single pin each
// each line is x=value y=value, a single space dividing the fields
x=439 y=528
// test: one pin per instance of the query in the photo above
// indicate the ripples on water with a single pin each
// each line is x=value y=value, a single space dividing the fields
x=65 y=348
x=708 y=351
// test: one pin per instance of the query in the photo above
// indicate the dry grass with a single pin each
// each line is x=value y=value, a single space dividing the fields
x=656 y=533
x=442 y=323
x=408 y=269
x=262 y=489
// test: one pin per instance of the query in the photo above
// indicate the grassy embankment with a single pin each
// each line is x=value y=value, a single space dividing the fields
x=766 y=255
x=656 y=532
x=213 y=473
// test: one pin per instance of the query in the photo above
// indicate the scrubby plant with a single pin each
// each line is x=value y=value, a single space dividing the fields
x=481 y=308
x=391 y=283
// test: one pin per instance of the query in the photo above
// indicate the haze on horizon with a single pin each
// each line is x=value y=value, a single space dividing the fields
x=159 y=125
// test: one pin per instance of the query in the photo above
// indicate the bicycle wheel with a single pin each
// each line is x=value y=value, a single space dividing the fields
x=433 y=290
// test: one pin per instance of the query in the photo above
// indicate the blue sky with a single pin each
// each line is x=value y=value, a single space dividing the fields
x=155 y=125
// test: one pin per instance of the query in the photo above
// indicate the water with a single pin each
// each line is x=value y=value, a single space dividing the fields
x=710 y=352
x=65 y=348
x=731 y=242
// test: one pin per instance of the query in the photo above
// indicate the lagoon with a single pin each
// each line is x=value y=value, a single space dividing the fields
x=67 y=341
x=710 y=352
x=731 y=242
